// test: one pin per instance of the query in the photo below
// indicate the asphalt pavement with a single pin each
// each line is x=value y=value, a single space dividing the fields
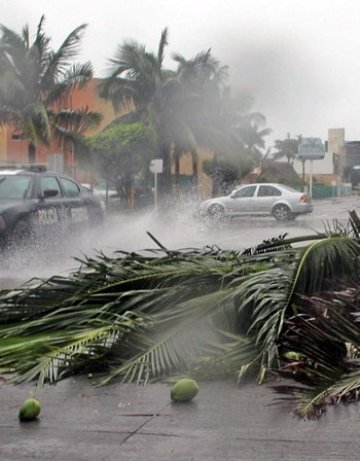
x=79 y=422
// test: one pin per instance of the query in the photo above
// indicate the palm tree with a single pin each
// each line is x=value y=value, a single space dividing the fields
x=176 y=103
x=236 y=136
x=252 y=134
x=136 y=82
x=201 y=79
x=287 y=147
x=34 y=83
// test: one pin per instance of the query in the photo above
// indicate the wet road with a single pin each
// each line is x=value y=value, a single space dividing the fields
x=225 y=422
x=178 y=229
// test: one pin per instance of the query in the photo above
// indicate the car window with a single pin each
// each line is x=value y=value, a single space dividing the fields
x=70 y=187
x=244 y=192
x=50 y=183
x=268 y=191
x=15 y=186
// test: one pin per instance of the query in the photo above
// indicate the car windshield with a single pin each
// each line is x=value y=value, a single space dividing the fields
x=14 y=186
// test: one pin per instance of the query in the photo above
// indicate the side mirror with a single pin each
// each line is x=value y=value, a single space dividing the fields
x=50 y=193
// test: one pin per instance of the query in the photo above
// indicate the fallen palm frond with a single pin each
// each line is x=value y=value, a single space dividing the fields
x=183 y=295
x=320 y=350
x=144 y=316
x=336 y=257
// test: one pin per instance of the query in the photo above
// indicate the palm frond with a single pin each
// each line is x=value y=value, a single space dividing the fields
x=162 y=44
x=59 y=61
x=77 y=120
x=322 y=264
x=36 y=124
x=77 y=76
x=205 y=312
x=324 y=339
x=355 y=223
x=177 y=290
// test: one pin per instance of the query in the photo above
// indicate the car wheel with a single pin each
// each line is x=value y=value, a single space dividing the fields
x=282 y=213
x=21 y=235
x=216 y=211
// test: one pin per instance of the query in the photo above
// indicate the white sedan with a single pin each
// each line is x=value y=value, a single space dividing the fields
x=278 y=200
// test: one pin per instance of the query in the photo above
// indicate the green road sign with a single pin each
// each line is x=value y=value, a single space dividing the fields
x=311 y=149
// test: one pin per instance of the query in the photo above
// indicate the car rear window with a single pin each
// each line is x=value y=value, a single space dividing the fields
x=268 y=191
x=15 y=186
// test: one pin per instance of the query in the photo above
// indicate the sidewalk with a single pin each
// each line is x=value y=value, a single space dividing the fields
x=224 y=422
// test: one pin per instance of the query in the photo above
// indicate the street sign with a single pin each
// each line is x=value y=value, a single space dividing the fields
x=156 y=165
x=311 y=149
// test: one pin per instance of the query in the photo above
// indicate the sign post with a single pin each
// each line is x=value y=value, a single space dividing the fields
x=156 y=167
x=310 y=149
x=311 y=179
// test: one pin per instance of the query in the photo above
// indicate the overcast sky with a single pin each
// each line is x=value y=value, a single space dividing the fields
x=299 y=58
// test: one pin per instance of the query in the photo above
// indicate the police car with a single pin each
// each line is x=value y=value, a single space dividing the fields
x=36 y=203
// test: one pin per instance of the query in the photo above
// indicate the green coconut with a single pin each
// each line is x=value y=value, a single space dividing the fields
x=29 y=410
x=293 y=355
x=184 y=390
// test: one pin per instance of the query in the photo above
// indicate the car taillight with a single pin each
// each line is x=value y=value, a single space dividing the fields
x=304 y=198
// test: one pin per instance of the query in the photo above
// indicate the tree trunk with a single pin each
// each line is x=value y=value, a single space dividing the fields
x=129 y=191
x=31 y=152
x=195 y=169
x=215 y=176
x=165 y=180
x=177 y=168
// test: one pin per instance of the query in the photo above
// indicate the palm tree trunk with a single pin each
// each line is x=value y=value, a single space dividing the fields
x=31 y=152
x=129 y=191
x=177 y=167
x=195 y=169
x=165 y=180
x=215 y=175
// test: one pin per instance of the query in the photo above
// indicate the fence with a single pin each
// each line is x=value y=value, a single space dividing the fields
x=325 y=191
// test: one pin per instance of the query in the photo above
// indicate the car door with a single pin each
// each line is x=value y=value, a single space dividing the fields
x=50 y=213
x=241 y=201
x=266 y=196
x=77 y=210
